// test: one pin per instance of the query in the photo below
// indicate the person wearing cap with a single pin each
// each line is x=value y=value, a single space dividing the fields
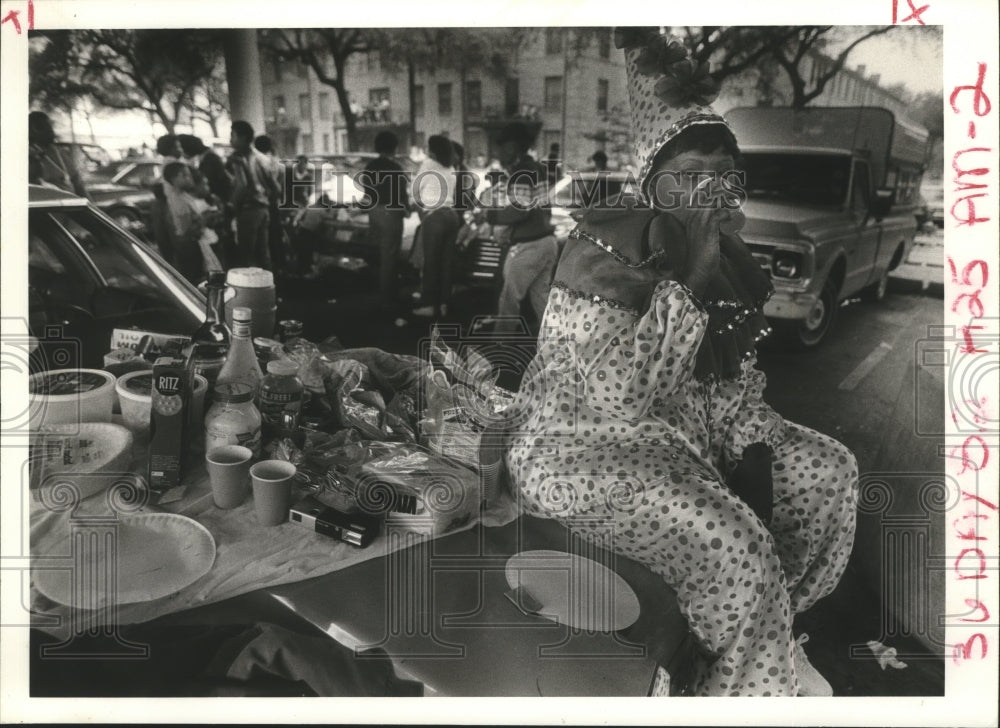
x=531 y=257
x=642 y=413
x=209 y=164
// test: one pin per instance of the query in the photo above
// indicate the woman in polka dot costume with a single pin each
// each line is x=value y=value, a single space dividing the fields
x=643 y=412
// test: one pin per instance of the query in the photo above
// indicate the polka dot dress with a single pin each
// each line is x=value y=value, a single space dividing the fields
x=616 y=433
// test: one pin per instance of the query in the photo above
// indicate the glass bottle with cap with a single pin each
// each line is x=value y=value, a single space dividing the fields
x=241 y=365
x=211 y=340
x=233 y=419
x=280 y=400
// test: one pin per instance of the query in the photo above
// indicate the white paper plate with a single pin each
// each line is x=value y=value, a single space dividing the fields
x=574 y=591
x=157 y=554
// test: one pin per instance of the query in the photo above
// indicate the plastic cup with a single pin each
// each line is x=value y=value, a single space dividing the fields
x=272 y=490
x=228 y=471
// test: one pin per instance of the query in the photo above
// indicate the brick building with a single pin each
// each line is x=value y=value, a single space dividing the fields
x=558 y=86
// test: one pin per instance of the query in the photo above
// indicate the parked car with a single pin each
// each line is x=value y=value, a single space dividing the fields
x=346 y=226
x=830 y=207
x=131 y=172
x=121 y=189
x=87 y=276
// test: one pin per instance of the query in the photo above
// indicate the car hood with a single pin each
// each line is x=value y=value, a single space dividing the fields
x=779 y=220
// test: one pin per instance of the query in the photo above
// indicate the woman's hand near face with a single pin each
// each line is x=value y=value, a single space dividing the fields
x=702 y=227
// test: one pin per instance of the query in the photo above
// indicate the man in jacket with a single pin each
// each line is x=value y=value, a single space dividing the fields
x=254 y=186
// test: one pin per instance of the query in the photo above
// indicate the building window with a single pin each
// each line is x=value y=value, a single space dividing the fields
x=553 y=93
x=512 y=97
x=277 y=70
x=444 y=99
x=305 y=106
x=379 y=105
x=279 y=106
x=473 y=98
x=326 y=143
x=324 y=107
x=418 y=100
x=302 y=70
x=604 y=43
x=602 y=94
x=307 y=143
x=553 y=41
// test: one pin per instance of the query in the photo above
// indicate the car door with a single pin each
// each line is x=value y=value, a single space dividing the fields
x=861 y=259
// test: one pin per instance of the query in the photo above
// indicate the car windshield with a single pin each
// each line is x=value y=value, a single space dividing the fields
x=808 y=179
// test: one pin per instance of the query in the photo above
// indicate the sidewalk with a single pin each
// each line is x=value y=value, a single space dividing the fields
x=923 y=268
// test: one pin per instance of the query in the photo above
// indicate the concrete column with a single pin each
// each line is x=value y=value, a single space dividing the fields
x=246 y=95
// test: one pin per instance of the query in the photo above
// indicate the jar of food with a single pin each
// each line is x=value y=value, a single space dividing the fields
x=280 y=400
x=233 y=419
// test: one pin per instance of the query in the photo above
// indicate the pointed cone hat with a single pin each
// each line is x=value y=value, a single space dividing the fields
x=668 y=92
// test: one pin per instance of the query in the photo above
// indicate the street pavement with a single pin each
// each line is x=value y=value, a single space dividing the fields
x=865 y=386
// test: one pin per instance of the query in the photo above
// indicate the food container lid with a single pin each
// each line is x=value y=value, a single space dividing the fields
x=250 y=277
x=75 y=383
x=234 y=392
x=282 y=367
x=139 y=383
x=263 y=345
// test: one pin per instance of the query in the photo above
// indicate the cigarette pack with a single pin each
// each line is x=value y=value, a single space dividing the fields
x=171 y=396
x=356 y=529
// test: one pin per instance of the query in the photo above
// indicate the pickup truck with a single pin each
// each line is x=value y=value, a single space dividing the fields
x=831 y=193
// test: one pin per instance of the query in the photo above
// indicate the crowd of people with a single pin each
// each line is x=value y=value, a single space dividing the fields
x=250 y=209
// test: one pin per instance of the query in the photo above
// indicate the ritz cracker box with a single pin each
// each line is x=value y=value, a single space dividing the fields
x=171 y=397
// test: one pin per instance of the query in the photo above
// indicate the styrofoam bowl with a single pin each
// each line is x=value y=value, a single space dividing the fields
x=70 y=396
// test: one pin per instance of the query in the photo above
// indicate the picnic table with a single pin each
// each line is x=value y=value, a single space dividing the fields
x=437 y=605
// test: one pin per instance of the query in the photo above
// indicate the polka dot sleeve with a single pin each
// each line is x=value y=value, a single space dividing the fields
x=754 y=421
x=625 y=361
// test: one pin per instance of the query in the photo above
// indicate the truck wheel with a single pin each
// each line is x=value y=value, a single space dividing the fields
x=876 y=291
x=812 y=330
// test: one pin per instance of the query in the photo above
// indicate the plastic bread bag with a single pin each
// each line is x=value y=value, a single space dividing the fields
x=357 y=406
x=462 y=400
x=328 y=465
x=444 y=493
